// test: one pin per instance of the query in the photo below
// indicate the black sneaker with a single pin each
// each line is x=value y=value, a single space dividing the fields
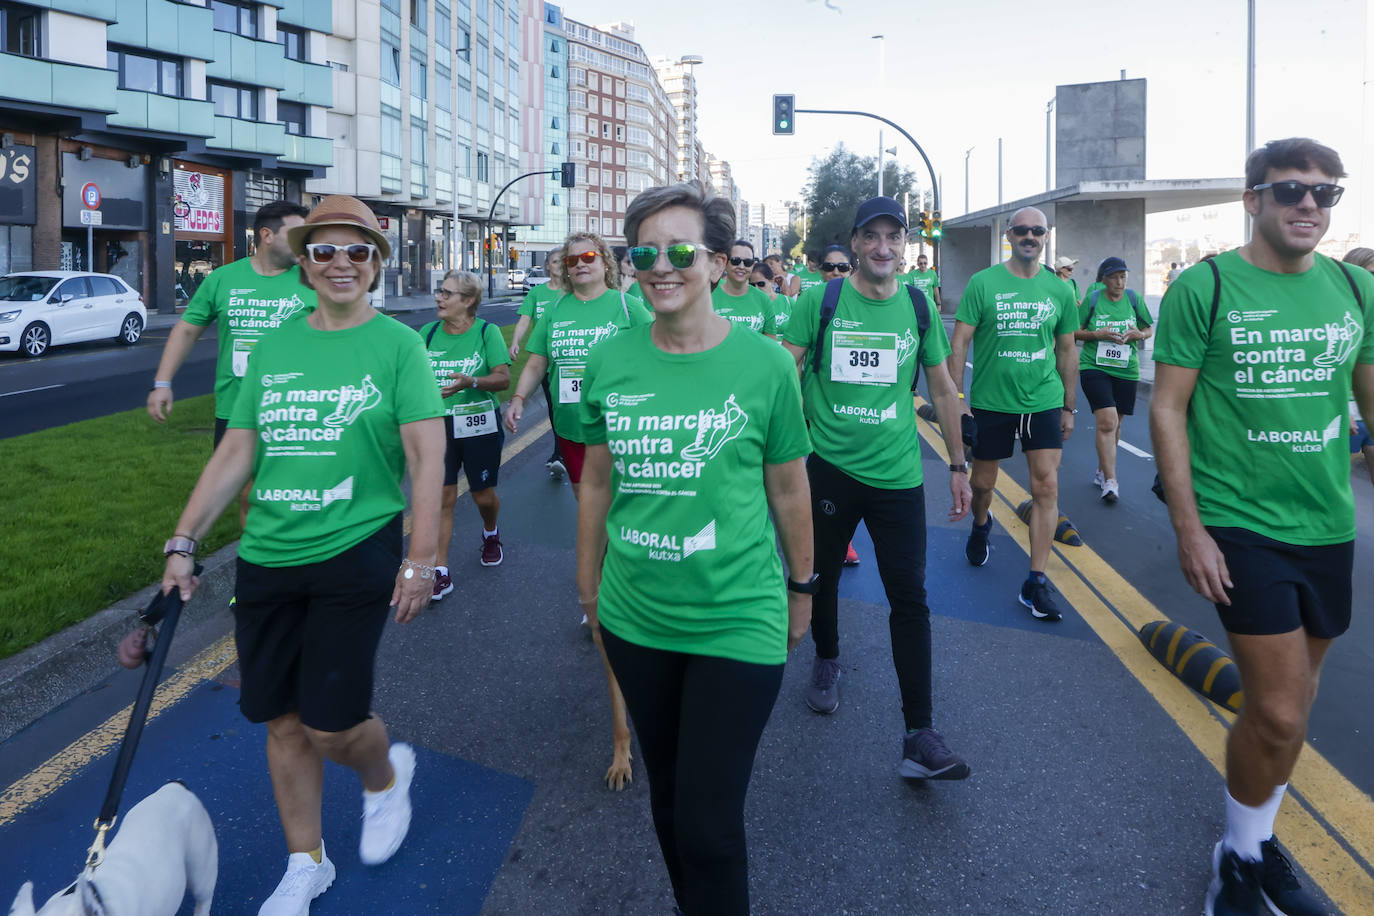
x=924 y=756
x=976 y=548
x=1042 y=600
x=1235 y=888
x=557 y=469
x=823 y=693
x=1280 y=887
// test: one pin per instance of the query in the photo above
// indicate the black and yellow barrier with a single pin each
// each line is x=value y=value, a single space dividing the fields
x=1197 y=662
x=1064 y=532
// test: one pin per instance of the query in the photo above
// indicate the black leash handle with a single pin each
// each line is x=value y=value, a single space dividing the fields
x=167 y=609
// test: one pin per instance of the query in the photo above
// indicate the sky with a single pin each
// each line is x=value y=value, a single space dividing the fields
x=962 y=74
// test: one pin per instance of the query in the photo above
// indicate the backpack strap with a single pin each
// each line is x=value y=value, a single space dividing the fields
x=433 y=329
x=922 y=307
x=1216 y=294
x=1135 y=306
x=625 y=309
x=1092 y=309
x=1359 y=300
x=829 y=302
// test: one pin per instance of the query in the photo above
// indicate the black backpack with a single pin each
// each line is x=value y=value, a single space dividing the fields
x=831 y=301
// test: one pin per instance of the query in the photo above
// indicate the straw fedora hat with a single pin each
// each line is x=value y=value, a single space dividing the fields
x=339 y=210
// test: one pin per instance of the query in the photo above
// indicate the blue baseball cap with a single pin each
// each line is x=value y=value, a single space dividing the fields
x=1110 y=266
x=875 y=207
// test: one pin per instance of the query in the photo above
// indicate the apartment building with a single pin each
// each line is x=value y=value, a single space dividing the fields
x=545 y=85
x=678 y=77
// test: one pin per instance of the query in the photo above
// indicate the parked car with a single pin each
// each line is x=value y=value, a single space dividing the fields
x=42 y=308
x=515 y=277
x=537 y=276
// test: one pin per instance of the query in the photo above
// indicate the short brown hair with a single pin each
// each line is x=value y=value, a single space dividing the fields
x=717 y=216
x=608 y=257
x=1292 y=153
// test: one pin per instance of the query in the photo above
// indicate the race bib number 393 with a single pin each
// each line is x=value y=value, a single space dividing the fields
x=570 y=382
x=857 y=357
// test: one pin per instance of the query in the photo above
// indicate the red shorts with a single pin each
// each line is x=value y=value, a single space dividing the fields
x=574 y=455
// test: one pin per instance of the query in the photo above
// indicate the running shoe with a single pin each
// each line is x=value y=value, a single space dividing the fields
x=443 y=584
x=491 y=550
x=823 y=693
x=925 y=756
x=1279 y=885
x=1235 y=888
x=1098 y=479
x=557 y=469
x=851 y=556
x=1042 y=600
x=1111 y=492
x=977 y=547
x=305 y=879
x=386 y=814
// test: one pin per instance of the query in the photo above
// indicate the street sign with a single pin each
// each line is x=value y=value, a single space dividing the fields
x=90 y=196
x=384 y=222
x=91 y=218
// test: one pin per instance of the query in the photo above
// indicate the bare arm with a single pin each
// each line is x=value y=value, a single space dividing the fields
x=224 y=476
x=958 y=355
x=179 y=343
x=947 y=410
x=1198 y=555
x=789 y=498
x=1066 y=360
x=423 y=441
x=536 y=367
x=521 y=329
x=497 y=380
x=798 y=354
x=593 y=505
x=1363 y=385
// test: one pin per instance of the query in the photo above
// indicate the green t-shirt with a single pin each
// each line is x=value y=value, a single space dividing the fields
x=537 y=301
x=782 y=312
x=809 y=278
x=1267 y=421
x=1119 y=360
x=476 y=352
x=1073 y=285
x=924 y=280
x=567 y=334
x=327 y=407
x=1092 y=288
x=1015 y=323
x=862 y=416
x=636 y=291
x=247 y=305
x=754 y=309
x=692 y=563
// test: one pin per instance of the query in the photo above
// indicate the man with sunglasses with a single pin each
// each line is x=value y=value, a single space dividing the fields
x=735 y=299
x=1021 y=319
x=867 y=464
x=1258 y=354
x=926 y=280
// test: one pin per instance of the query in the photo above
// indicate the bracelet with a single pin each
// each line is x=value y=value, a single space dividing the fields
x=520 y=396
x=412 y=568
x=159 y=383
x=591 y=600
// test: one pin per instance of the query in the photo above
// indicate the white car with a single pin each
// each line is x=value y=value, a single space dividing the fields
x=515 y=277
x=537 y=276
x=41 y=308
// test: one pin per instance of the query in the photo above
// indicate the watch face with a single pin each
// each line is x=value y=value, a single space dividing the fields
x=410 y=573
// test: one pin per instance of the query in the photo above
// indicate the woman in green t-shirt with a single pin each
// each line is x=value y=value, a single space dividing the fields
x=536 y=302
x=470 y=363
x=336 y=405
x=695 y=432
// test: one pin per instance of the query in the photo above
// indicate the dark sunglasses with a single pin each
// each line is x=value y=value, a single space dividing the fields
x=747 y=262
x=1291 y=193
x=1036 y=231
x=585 y=257
x=761 y=284
x=680 y=256
x=322 y=253
x=841 y=266
x=1067 y=270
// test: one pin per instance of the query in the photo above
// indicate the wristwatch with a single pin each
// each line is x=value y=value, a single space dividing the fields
x=809 y=587
x=179 y=545
x=958 y=469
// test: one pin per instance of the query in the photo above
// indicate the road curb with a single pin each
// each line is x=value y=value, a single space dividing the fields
x=81 y=657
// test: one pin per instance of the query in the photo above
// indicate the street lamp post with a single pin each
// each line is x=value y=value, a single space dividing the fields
x=1049 y=109
x=882 y=85
x=968 y=152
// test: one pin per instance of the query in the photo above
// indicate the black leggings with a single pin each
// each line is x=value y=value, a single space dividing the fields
x=698 y=719
x=896 y=520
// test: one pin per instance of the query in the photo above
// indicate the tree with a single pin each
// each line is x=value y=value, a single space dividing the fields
x=791 y=239
x=838 y=184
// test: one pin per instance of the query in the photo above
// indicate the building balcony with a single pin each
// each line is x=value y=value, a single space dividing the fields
x=161 y=25
x=248 y=136
x=162 y=113
x=308 y=14
x=308 y=150
x=247 y=60
x=46 y=82
x=310 y=84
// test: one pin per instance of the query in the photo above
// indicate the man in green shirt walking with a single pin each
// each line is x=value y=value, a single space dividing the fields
x=1258 y=354
x=926 y=280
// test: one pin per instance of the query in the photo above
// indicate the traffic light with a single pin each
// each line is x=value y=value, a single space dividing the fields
x=924 y=224
x=783 y=122
x=937 y=227
x=569 y=174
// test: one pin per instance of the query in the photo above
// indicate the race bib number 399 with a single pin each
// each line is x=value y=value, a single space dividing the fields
x=570 y=383
x=856 y=357
x=473 y=420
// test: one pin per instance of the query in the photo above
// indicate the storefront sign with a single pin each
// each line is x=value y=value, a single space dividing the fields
x=198 y=201
x=18 y=185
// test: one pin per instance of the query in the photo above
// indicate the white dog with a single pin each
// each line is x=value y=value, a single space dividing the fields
x=164 y=847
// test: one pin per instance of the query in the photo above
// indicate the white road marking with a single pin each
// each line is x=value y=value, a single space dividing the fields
x=27 y=390
x=1139 y=453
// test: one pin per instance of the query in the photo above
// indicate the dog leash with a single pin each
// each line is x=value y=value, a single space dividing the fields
x=167 y=610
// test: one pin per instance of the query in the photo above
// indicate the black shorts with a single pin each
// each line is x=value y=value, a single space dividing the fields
x=1279 y=588
x=1105 y=390
x=221 y=424
x=998 y=432
x=307 y=635
x=478 y=456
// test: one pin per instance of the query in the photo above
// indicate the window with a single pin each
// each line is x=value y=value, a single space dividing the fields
x=593 y=151
x=76 y=287
x=482 y=54
x=442 y=27
x=554 y=149
x=292 y=41
x=620 y=133
x=554 y=46
x=143 y=72
x=292 y=114
x=483 y=170
x=620 y=179
x=417 y=14
x=233 y=100
x=593 y=224
x=235 y=16
x=419 y=79
x=391 y=64
x=19 y=30
x=592 y=176
x=605 y=130
x=594 y=200
x=553 y=71
x=594 y=103
x=464 y=45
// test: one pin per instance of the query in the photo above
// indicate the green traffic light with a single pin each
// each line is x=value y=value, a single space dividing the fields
x=782 y=125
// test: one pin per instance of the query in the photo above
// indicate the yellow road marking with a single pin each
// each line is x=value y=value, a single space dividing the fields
x=1321 y=791
x=57 y=770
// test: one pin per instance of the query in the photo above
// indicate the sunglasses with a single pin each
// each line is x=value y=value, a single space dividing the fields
x=761 y=284
x=359 y=253
x=747 y=262
x=585 y=257
x=841 y=266
x=1291 y=193
x=1036 y=231
x=1067 y=270
x=681 y=256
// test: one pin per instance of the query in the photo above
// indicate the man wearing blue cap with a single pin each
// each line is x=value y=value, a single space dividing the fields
x=858 y=340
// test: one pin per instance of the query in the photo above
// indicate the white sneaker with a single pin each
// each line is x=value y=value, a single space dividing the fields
x=386 y=815
x=1110 y=490
x=1098 y=479
x=303 y=882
